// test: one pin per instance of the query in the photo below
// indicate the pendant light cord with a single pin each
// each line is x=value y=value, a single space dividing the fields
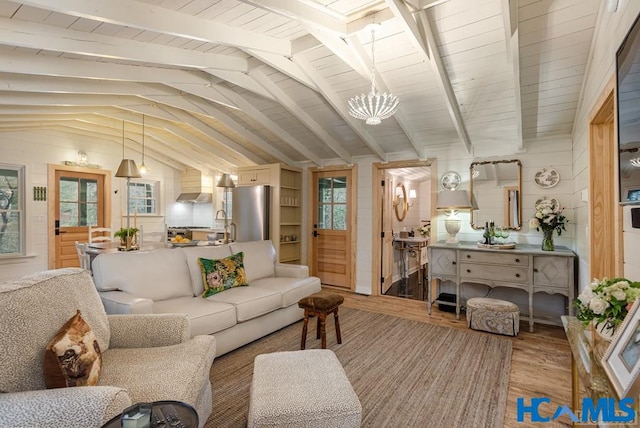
x=373 y=60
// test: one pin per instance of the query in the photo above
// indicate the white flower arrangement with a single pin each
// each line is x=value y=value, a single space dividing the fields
x=548 y=217
x=607 y=300
x=424 y=231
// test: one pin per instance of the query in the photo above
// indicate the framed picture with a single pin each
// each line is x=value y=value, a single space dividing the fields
x=621 y=362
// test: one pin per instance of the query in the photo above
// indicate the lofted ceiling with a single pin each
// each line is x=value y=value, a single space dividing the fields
x=229 y=83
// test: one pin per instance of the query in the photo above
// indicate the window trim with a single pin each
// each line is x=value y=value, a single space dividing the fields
x=22 y=208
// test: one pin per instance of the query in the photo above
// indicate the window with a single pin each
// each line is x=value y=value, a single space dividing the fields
x=143 y=197
x=12 y=207
x=332 y=203
x=78 y=202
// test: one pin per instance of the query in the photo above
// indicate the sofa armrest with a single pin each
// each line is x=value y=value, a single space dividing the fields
x=120 y=302
x=81 y=407
x=149 y=330
x=291 y=270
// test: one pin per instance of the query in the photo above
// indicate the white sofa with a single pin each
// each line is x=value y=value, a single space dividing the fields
x=170 y=281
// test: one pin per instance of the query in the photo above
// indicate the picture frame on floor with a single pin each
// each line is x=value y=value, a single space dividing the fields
x=621 y=361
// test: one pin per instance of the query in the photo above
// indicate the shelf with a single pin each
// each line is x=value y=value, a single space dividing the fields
x=290 y=224
x=289 y=206
x=289 y=260
x=290 y=187
x=289 y=242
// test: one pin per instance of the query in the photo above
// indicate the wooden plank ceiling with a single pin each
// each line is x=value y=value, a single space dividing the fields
x=228 y=83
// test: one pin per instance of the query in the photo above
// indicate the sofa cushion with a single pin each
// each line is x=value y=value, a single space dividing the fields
x=206 y=316
x=259 y=258
x=222 y=274
x=249 y=302
x=192 y=254
x=291 y=289
x=156 y=275
x=72 y=357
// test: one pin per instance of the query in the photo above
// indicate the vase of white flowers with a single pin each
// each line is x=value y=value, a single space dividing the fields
x=605 y=303
x=548 y=218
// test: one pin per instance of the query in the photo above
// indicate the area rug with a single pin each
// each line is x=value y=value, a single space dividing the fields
x=406 y=373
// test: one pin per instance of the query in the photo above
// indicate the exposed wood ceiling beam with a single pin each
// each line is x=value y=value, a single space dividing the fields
x=510 y=16
x=419 y=32
x=339 y=106
x=243 y=81
x=298 y=112
x=274 y=128
x=285 y=66
x=148 y=17
x=38 y=36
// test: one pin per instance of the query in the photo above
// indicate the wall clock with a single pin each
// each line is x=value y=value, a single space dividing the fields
x=450 y=180
x=546 y=178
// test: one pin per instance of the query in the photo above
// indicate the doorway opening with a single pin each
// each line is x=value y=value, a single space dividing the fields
x=406 y=195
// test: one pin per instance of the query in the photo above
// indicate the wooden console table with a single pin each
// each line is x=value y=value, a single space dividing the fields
x=526 y=267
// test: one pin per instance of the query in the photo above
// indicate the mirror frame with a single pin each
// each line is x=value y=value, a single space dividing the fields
x=519 y=165
x=396 y=202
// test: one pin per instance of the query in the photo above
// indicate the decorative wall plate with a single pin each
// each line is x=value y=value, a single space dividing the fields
x=546 y=178
x=554 y=201
x=450 y=180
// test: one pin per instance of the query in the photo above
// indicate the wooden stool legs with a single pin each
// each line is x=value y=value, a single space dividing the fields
x=321 y=332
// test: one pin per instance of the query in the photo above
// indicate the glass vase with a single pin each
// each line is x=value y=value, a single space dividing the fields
x=547 y=240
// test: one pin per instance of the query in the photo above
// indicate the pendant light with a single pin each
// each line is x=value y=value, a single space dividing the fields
x=143 y=167
x=373 y=107
x=127 y=169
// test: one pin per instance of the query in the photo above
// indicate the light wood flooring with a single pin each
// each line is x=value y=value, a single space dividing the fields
x=540 y=364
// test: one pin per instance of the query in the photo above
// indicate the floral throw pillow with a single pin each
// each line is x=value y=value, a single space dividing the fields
x=72 y=357
x=223 y=274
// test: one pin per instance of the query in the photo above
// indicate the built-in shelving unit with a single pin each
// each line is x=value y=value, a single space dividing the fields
x=286 y=205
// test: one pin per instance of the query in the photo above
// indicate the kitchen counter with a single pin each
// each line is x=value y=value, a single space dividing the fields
x=203 y=234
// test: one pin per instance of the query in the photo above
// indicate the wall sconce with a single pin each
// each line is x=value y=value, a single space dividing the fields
x=451 y=201
x=412 y=197
x=400 y=204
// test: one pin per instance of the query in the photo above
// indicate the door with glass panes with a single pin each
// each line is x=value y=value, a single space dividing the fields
x=331 y=228
x=79 y=204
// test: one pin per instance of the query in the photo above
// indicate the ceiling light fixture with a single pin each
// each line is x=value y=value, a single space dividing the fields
x=143 y=167
x=373 y=107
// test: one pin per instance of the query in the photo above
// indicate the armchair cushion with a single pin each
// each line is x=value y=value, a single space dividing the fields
x=72 y=357
x=223 y=274
x=33 y=309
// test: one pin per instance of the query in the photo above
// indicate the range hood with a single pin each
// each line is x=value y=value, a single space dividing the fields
x=196 y=188
x=196 y=198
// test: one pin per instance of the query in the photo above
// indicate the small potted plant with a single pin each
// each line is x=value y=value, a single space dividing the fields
x=131 y=233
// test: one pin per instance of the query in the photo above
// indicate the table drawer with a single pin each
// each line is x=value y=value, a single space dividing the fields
x=504 y=273
x=494 y=258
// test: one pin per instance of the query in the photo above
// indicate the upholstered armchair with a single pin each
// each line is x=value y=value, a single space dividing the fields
x=145 y=358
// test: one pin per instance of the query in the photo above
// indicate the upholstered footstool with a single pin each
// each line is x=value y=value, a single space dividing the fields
x=302 y=389
x=493 y=315
x=320 y=305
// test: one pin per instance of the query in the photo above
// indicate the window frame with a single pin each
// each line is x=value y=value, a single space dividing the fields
x=156 y=195
x=20 y=209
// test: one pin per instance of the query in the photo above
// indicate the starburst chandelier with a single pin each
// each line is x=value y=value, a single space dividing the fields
x=374 y=106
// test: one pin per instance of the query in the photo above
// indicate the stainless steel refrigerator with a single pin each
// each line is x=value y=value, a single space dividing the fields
x=251 y=206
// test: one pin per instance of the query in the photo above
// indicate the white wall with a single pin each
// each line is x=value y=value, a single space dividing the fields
x=36 y=149
x=611 y=28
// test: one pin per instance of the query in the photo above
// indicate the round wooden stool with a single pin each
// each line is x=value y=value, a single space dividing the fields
x=320 y=305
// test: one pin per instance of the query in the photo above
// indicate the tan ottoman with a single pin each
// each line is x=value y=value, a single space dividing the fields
x=493 y=315
x=302 y=389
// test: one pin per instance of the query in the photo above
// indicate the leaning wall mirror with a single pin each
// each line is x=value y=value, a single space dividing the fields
x=400 y=205
x=496 y=193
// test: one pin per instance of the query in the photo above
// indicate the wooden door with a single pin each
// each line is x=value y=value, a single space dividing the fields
x=332 y=255
x=386 y=202
x=79 y=203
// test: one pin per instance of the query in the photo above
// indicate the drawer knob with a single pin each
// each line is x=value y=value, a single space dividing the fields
x=517 y=275
x=535 y=269
x=517 y=260
x=468 y=270
x=453 y=263
x=468 y=256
